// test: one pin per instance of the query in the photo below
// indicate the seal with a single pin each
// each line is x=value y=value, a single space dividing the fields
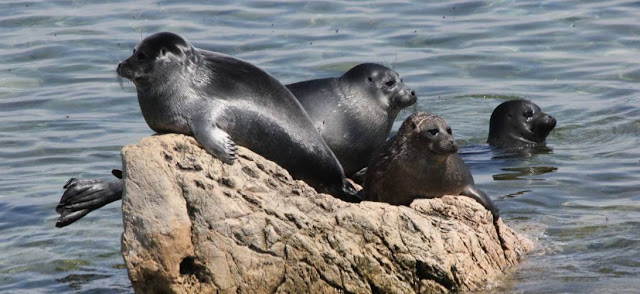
x=354 y=113
x=421 y=161
x=519 y=124
x=221 y=101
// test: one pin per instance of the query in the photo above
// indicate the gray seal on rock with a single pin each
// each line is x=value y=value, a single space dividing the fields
x=421 y=161
x=518 y=124
x=221 y=101
x=354 y=113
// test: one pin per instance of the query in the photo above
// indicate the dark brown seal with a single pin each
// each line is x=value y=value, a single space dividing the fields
x=421 y=161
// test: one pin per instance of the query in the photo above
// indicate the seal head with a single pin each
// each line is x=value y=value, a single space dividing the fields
x=430 y=132
x=163 y=52
x=382 y=84
x=519 y=123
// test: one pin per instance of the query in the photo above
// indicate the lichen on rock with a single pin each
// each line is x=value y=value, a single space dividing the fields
x=194 y=224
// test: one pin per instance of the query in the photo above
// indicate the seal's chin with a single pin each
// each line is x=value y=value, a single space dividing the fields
x=129 y=75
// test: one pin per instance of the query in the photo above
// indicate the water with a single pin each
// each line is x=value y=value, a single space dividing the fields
x=63 y=114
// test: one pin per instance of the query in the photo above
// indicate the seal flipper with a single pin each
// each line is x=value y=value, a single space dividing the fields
x=117 y=173
x=215 y=140
x=482 y=198
x=84 y=196
x=350 y=193
x=358 y=177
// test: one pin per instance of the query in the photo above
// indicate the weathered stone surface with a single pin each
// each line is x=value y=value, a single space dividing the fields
x=193 y=224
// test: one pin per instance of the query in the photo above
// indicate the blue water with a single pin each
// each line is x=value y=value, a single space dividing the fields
x=63 y=114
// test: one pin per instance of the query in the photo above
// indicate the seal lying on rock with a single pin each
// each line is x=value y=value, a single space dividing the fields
x=519 y=123
x=220 y=101
x=354 y=112
x=421 y=161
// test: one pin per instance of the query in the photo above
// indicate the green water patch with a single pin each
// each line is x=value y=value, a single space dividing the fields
x=66 y=265
x=119 y=266
x=77 y=280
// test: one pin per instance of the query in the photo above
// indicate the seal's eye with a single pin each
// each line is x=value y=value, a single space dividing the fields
x=140 y=56
x=134 y=51
x=370 y=79
x=390 y=83
x=163 y=52
x=433 y=132
x=528 y=113
x=449 y=131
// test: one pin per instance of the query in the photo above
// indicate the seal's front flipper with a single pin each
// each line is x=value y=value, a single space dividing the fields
x=358 y=177
x=215 y=140
x=349 y=193
x=83 y=196
x=478 y=195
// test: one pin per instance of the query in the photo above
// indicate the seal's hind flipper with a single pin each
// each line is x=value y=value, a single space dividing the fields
x=117 y=173
x=215 y=140
x=68 y=217
x=83 y=196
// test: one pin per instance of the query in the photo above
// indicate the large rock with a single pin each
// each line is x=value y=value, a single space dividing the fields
x=193 y=224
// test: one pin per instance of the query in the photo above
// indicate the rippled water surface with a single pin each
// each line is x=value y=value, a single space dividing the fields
x=63 y=114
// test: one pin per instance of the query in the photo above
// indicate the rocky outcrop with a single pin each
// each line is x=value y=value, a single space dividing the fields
x=195 y=225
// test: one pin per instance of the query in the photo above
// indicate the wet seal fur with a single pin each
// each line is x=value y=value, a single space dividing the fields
x=519 y=124
x=354 y=113
x=422 y=161
x=221 y=101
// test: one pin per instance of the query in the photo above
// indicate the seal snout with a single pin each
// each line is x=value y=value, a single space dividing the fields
x=124 y=70
x=549 y=121
x=448 y=146
x=544 y=126
x=453 y=146
x=407 y=97
x=120 y=70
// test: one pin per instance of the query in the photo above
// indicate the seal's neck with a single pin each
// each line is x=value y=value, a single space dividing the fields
x=165 y=105
x=372 y=113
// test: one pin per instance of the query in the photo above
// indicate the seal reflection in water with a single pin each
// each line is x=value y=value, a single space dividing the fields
x=221 y=101
x=421 y=161
x=519 y=124
x=354 y=112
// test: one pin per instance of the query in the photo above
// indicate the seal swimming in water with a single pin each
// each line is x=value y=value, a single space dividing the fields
x=354 y=113
x=221 y=101
x=421 y=161
x=519 y=124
